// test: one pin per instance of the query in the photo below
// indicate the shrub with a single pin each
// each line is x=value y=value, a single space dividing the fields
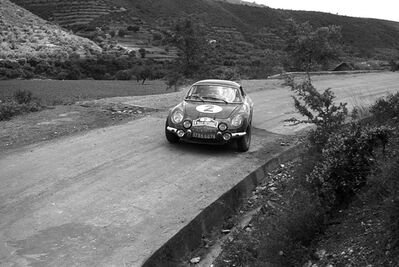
x=7 y=110
x=123 y=75
x=11 y=74
x=290 y=217
x=22 y=102
x=318 y=108
x=23 y=96
x=394 y=66
x=133 y=28
x=10 y=109
x=386 y=108
x=74 y=74
x=347 y=160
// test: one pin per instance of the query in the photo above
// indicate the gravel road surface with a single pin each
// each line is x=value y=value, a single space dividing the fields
x=112 y=196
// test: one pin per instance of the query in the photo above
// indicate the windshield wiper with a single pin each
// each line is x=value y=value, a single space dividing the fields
x=215 y=98
x=195 y=97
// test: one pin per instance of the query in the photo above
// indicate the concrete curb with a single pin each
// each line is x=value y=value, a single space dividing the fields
x=190 y=237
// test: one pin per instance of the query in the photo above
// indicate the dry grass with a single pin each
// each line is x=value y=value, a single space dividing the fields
x=53 y=92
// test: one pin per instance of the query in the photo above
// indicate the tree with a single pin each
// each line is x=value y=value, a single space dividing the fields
x=191 y=44
x=308 y=47
x=142 y=52
x=142 y=73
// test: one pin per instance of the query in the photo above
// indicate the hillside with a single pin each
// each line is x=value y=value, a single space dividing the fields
x=260 y=26
x=25 y=35
x=366 y=37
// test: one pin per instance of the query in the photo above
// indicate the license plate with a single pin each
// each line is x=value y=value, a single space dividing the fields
x=213 y=124
x=204 y=135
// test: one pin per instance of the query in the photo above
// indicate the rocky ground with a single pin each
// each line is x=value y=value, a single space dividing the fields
x=63 y=120
x=351 y=237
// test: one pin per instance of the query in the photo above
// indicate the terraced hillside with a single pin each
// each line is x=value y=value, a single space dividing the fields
x=69 y=13
x=25 y=35
x=261 y=26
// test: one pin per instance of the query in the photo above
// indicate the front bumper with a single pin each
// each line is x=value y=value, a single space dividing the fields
x=217 y=137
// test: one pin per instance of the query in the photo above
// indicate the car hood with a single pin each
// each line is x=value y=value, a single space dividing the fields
x=213 y=110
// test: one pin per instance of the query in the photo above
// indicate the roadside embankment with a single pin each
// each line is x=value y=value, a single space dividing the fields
x=212 y=217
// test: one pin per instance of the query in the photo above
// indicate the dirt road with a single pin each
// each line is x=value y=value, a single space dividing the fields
x=112 y=196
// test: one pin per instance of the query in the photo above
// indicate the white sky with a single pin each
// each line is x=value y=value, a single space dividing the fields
x=380 y=9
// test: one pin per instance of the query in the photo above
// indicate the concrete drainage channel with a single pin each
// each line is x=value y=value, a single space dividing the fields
x=191 y=236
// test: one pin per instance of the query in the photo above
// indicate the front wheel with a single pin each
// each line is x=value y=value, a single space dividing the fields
x=244 y=142
x=171 y=137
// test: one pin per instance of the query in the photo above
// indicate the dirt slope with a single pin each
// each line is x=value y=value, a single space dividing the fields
x=25 y=35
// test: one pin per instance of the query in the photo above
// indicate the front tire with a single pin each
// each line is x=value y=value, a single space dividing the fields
x=244 y=142
x=171 y=137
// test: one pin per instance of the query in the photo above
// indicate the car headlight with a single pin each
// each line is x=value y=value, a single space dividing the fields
x=222 y=127
x=177 y=116
x=237 y=121
x=187 y=124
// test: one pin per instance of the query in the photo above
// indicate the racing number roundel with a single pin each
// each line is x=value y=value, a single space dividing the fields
x=209 y=108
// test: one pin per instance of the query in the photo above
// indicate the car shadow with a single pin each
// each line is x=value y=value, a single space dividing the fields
x=205 y=149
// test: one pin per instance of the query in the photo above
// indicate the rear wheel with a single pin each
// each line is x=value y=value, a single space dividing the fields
x=244 y=142
x=171 y=137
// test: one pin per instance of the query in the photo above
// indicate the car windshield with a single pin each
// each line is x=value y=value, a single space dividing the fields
x=214 y=93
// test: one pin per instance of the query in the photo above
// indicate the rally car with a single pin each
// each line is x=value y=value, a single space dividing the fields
x=212 y=112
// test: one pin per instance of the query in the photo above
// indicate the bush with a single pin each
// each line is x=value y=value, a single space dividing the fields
x=394 y=66
x=319 y=109
x=23 y=96
x=290 y=217
x=133 y=28
x=7 y=110
x=22 y=102
x=74 y=74
x=124 y=75
x=10 y=73
x=11 y=109
x=347 y=160
x=387 y=108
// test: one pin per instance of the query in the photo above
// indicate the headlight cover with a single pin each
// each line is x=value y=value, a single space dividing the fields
x=187 y=124
x=222 y=127
x=177 y=116
x=237 y=120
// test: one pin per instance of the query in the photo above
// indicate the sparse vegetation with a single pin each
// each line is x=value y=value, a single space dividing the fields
x=319 y=109
x=21 y=102
x=299 y=200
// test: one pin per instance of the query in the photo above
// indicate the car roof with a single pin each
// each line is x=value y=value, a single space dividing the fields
x=218 y=82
